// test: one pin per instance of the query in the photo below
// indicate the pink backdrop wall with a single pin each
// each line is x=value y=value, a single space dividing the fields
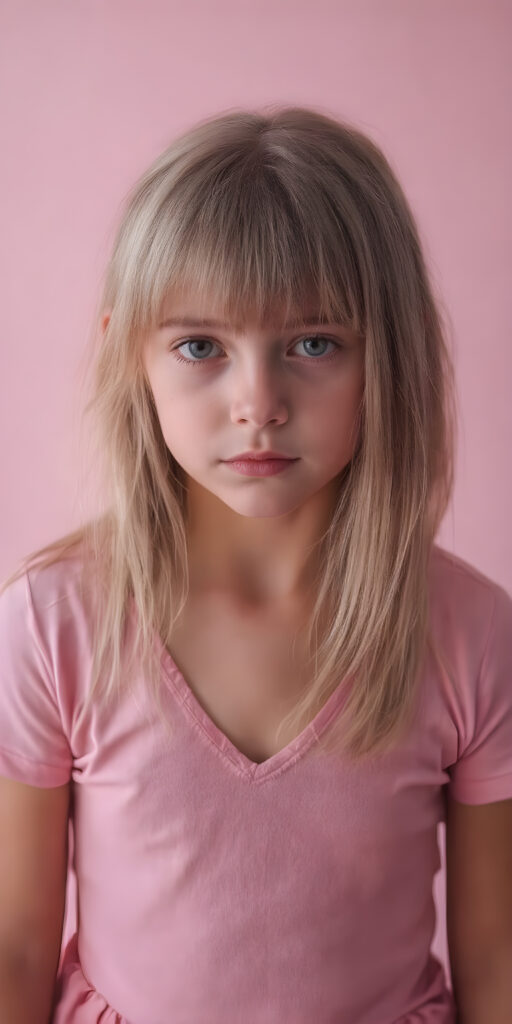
x=92 y=91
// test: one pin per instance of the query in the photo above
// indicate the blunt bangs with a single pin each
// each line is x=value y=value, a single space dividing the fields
x=239 y=239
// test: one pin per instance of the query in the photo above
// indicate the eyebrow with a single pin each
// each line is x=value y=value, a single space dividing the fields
x=191 y=322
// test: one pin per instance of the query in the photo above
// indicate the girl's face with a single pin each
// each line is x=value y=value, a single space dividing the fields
x=220 y=391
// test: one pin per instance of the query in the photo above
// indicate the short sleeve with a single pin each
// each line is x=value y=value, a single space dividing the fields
x=483 y=772
x=33 y=746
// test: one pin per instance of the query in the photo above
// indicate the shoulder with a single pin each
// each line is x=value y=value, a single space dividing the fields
x=62 y=595
x=471 y=631
x=55 y=583
x=451 y=570
x=465 y=603
x=470 y=634
x=44 y=658
x=46 y=612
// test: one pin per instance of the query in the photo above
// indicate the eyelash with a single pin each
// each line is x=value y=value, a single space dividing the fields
x=308 y=359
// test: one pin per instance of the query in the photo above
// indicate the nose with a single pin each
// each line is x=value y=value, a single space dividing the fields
x=258 y=397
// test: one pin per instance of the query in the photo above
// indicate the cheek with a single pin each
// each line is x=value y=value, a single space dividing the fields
x=186 y=425
x=333 y=429
x=338 y=409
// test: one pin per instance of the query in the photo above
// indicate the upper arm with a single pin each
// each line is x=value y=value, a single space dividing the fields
x=33 y=871
x=478 y=888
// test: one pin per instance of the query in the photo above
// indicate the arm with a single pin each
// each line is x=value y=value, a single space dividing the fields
x=479 y=909
x=33 y=869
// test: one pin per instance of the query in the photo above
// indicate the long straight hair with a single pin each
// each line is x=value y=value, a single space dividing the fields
x=257 y=209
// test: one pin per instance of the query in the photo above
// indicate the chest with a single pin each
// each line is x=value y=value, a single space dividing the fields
x=247 y=669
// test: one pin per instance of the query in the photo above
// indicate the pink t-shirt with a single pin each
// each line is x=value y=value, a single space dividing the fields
x=214 y=890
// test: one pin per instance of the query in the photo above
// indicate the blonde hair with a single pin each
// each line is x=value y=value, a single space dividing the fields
x=253 y=208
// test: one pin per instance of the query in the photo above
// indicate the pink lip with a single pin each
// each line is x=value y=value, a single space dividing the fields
x=259 y=467
x=258 y=456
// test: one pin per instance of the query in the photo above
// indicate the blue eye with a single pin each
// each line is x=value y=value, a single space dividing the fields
x=302 y=341
x=315 y=338
x=191 y=341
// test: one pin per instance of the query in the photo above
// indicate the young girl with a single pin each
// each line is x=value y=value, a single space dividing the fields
x=253 y=684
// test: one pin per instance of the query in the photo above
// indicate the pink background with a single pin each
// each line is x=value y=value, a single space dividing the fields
x=91 y=93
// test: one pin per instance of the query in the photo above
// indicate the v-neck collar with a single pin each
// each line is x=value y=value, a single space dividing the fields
x=252 y=771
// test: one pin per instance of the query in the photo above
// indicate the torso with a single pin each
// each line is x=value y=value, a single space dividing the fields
x=246 y=668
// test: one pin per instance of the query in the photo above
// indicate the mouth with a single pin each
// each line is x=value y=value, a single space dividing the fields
x=260 y=467
x=268 y=456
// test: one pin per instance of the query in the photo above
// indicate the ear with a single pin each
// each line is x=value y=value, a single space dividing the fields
x=105 y=320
